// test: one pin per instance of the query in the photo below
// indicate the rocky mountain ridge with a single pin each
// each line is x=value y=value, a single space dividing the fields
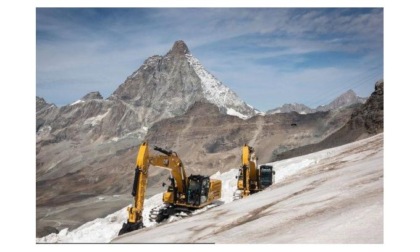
x=209 y=141
x=366 y=120
x=348 y=98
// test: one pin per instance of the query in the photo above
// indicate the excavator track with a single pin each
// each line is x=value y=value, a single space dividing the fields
x=237 y=195
x=163 y=212
x=157 y=214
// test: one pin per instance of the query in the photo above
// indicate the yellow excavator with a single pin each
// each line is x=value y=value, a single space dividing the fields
x=252 y=179
x=184 y=195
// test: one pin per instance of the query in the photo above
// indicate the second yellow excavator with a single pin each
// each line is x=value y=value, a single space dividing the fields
x=183 y=195
x=252 y=179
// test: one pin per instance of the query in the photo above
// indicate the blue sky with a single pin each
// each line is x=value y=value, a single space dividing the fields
x=267 y=56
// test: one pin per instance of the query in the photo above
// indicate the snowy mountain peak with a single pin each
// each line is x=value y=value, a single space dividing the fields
x=346 y=99
x=170 y=84
x=288 y=107
x=179 y=48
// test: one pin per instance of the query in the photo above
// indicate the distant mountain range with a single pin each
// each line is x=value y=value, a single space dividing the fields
x=346 y=99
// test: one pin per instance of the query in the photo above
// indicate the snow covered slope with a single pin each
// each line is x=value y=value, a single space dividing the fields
x=331 y=196
x=217 y=93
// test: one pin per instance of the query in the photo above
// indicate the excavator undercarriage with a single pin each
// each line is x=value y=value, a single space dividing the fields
x=196 y=198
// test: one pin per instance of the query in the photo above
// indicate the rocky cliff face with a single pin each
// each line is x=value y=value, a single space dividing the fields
x=41 y=104
x=44 y=112
x=371 y=115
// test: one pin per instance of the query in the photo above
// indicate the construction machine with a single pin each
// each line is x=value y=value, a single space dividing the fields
x=184 y=194
x=252 y=179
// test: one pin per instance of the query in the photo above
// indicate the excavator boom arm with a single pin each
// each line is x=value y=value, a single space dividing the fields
x=248 y=171
x=169 y=161
x=142 y=169
x=135 y=219
x=249 y=160
x=175 y=166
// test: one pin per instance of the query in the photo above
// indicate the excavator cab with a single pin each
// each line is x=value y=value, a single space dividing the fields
x=198 y=189
x=266 y=176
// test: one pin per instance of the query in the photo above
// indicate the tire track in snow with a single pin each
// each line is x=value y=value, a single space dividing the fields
x=257 y=213
x=259 y=124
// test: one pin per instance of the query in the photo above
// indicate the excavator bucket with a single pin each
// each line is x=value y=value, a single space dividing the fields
x=129 y=227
